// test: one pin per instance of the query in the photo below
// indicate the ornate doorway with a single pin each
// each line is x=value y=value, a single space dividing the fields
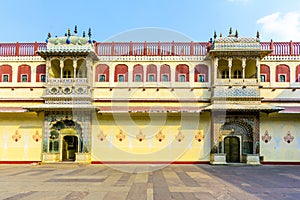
x=232 y=148
x=69 y=147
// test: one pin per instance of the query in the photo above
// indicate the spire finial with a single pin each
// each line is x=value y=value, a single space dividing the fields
x=83 y=34
x=257 y=34
x=230 y=31
x=75 y=29
x=221 y=35
x=69 y=32
x=49 y=35
x=236 y=33
x=90 y=32
x=215 y=34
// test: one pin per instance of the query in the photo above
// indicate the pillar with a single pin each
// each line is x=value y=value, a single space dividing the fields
x=216 y=63
x=74 y=67
x=158 y=76
x=48 y=66
x=272 y=73
x=111 y=76
x=172 y=71
x=229 y=66
x=130 y=75
x=61 y=67
x=258 y=69
x=292 y=73
x=33 y=74
x=243 y=66
x=191 y=75
x=144 y=74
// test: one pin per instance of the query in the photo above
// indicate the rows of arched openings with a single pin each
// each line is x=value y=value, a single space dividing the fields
x=23 y=73
x=151 y=73
x=282 y=73
x=236 y=71
x=68 y=68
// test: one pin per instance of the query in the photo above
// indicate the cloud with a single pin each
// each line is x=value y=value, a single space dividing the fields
x=280 y=27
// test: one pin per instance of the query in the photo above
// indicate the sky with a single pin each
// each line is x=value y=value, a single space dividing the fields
x=140 y=20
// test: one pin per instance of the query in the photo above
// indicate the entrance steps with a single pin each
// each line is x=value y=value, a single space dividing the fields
x=63 y=164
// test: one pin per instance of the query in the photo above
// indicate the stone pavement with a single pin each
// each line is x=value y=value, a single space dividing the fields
x=138 y=182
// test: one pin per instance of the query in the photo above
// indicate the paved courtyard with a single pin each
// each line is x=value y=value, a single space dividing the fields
x=72 y=181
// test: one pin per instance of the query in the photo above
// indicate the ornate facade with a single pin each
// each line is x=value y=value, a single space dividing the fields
x=232 y=99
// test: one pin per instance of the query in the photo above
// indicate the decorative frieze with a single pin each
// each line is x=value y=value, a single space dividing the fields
x=236 y=92
x=150 y=58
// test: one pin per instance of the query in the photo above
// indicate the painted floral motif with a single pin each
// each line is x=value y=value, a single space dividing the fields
x=16 y=137
x=36 y=137
x=288 y=138
x=266 y=137
x=160 y=136
x=199 y=136
x=140 y=136
x=179 y=137
x=121 y=136
x=101 y=136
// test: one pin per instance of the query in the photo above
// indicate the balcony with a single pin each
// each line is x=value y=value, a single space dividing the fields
x=246 y=82
x=67 y=81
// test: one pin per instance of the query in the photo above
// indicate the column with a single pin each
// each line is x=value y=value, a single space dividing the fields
x=258 y=69
x=292 y=74
x=89 y=71
x=191 y=75
x=61 y=67
x=144 y=74
x=243 y=66
x=158 y=74
x=172 y=71
x=15 y=74
x=33 y=74
x=130 y=74
x=272 y=73
x=74 y=67
x=48 y=65
x=216 y=63
x=111 y=75
x=229 y=66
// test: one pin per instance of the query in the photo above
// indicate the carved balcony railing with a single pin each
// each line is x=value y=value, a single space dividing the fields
x=234 y=81
x=235 y=91
x=148 y=48
x=67 y=81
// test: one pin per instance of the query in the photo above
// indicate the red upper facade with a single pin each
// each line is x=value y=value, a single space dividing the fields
x=147 y=48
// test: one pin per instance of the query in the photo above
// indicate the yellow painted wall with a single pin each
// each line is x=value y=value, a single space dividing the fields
x=29 y=127
x=277 y=126
x=150 y=149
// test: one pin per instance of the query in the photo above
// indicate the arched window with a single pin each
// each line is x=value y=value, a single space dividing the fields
x=81 y=69
x=138 y=73
x=225 y=73
x=165 y=73
x=182 y=73
x=264 y=73
x=151 y=73
x=298 y=73
x=121 y=73
x=201 y=73
x=282 y=73
x=5 y=73
x=102 y=73
x=41 y=73
x=24 y=73
x=55 y=69
x=68 y=70
x=237 y=74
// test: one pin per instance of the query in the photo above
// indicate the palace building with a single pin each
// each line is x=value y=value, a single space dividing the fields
x=233 y=99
